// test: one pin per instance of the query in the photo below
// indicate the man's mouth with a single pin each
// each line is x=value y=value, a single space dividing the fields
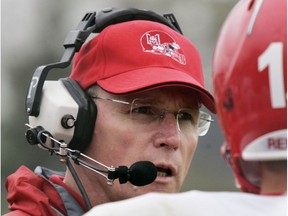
x=163 y=172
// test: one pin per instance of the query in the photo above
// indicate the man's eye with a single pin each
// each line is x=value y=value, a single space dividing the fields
x=144 y=110
x=185 y=116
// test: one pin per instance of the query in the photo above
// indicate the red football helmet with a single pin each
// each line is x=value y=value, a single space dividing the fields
x=250 y=86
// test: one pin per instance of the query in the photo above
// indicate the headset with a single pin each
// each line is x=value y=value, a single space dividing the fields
x=62 y=108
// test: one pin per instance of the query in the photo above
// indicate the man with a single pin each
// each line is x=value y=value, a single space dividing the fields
x=250 y=84
x=147 y=83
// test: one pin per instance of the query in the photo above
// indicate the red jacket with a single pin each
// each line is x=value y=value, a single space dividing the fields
x=41 y=193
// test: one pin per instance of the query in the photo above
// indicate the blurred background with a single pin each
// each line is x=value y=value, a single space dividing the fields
x=33 y=32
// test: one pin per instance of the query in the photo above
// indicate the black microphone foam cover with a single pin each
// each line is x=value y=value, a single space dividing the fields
x=142 y=173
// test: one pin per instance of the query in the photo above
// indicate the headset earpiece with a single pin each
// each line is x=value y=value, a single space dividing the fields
x=67 y=112
x=86 y=117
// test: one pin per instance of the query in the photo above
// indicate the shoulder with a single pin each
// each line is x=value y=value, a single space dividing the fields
x=32 y=193
x=196 y=203
x=16 y=213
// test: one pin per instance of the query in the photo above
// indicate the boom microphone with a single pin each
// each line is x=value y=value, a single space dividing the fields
x=140 y=173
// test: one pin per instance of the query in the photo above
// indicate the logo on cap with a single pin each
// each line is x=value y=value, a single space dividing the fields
x=160 y=43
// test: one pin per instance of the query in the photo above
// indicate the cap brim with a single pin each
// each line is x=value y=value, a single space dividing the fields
x=147 y=78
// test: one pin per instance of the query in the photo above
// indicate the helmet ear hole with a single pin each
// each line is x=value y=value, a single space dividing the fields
x=226 y=153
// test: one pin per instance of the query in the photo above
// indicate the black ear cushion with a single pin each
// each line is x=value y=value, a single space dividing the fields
x=86 y=117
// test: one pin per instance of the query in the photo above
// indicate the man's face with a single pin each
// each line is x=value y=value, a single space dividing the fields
x=120 y=139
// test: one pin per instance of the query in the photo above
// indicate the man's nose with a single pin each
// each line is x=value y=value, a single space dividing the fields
x=168 y=134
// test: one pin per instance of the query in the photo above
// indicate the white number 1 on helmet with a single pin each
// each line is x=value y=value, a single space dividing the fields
x=272 y=58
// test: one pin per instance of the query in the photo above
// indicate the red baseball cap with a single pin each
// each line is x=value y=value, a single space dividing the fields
x=139 y=55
